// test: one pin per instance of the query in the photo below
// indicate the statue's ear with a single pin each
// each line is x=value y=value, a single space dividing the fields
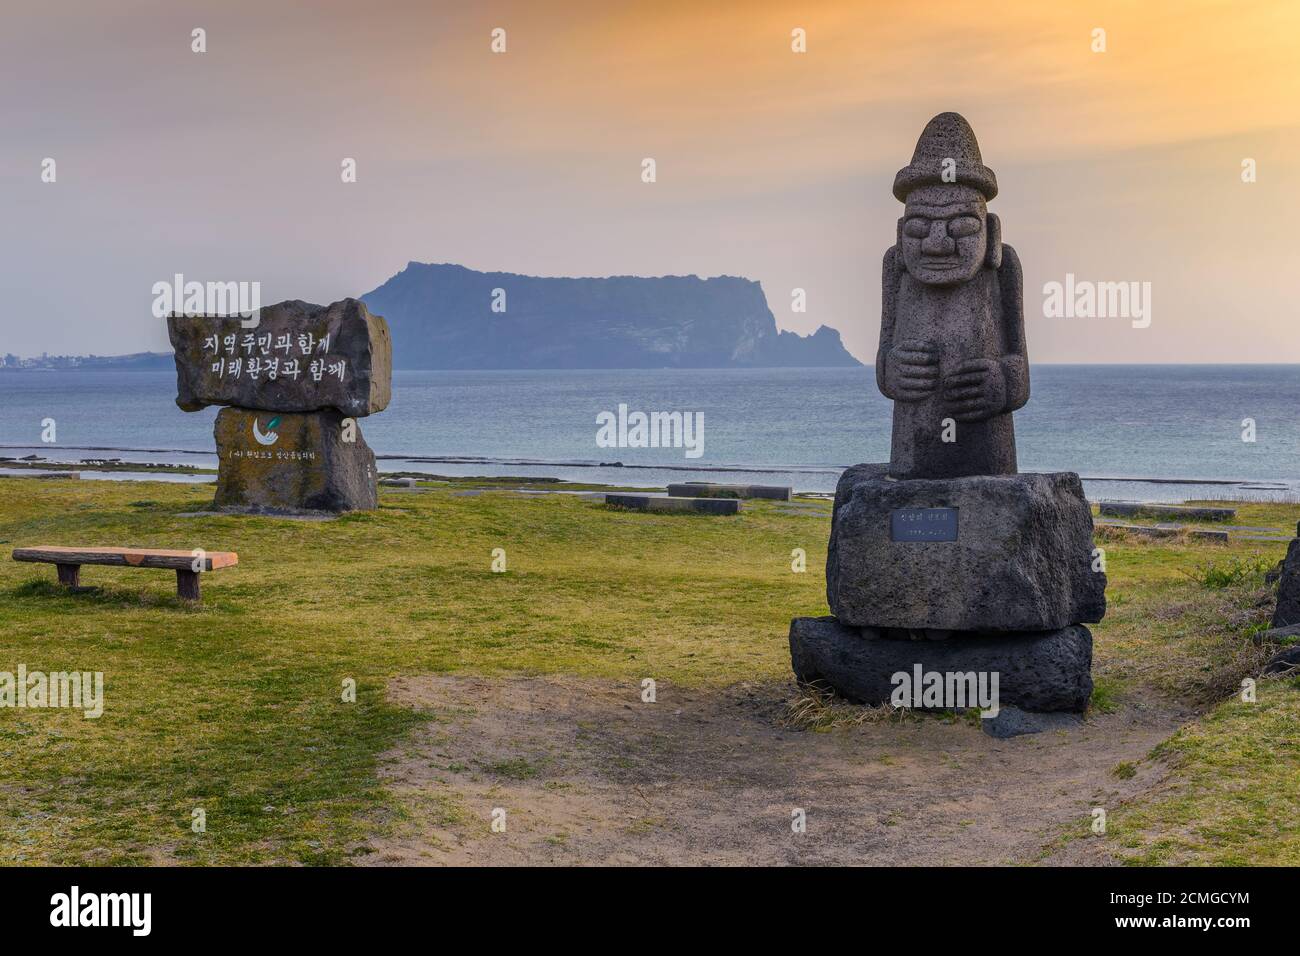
x=898 y=242
x=993 y=253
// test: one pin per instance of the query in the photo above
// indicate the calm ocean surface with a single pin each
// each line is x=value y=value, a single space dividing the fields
x=787 y=426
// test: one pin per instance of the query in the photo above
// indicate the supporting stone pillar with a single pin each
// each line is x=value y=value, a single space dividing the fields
x=285 y=462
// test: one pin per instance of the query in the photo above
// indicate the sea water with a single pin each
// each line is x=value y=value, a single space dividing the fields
x=1140 y=425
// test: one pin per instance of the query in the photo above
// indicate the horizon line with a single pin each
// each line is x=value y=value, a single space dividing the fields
x=656 y=368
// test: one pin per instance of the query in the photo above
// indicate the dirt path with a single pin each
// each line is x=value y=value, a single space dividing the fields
x=588 y=774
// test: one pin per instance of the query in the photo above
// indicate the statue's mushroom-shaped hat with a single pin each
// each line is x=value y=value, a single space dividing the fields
x=947 y=136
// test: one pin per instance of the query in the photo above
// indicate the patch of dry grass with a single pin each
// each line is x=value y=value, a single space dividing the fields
x=820 y=709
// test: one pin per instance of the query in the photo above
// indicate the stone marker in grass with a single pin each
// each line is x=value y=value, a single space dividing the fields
x=1287 y=612
x=946 y=558
x=709 y=489
x=708 y=506
x=295 y=383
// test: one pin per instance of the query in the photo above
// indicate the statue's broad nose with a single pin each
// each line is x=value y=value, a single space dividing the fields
x=938 y=242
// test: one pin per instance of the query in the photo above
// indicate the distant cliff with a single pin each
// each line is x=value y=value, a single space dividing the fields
x=441 y=316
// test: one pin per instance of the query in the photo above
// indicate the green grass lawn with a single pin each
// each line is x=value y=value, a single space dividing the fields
x=235 y=707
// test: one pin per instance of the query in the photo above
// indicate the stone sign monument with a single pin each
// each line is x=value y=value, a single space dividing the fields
x=295 y=385
x=946 y=558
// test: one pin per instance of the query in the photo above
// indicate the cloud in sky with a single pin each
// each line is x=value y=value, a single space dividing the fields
x=1123 y=165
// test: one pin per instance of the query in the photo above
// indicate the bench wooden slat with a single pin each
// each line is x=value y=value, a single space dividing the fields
x=126 y=557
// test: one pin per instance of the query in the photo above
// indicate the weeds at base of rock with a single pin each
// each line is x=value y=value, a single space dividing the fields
x=819 y=709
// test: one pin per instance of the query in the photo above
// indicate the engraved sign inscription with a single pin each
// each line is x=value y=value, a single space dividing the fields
x=923 y=524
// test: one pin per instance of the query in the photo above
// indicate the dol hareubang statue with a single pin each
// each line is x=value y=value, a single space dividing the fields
x=947 y=559
x=952 y=332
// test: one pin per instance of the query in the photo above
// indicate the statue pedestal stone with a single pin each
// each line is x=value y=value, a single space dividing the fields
x=982 y=553
x=988 y=574
x=271 y=462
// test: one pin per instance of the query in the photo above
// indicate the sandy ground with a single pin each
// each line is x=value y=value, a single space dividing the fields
x=589 y=774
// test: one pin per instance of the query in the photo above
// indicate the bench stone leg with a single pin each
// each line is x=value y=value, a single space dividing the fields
x=69 y=575
x=187 y=584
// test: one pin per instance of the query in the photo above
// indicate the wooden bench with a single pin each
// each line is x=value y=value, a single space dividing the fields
x=69 y=562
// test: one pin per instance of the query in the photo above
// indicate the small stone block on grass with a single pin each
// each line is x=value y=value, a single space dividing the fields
x=1165 y=530
x=709 y=506
x=1139 y=509
x=709 y=489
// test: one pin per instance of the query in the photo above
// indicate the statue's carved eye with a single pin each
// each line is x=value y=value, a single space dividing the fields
x=963 y=226
x=917 y=227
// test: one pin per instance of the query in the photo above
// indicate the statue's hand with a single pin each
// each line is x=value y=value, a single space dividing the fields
x=975 y=390
x=912 y=370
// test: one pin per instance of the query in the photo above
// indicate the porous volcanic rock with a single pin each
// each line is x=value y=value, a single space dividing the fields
x=1040 y=672
x=299 y=358
x=273 y=462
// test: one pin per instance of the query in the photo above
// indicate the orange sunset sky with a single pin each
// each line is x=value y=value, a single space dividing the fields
x=774 y=165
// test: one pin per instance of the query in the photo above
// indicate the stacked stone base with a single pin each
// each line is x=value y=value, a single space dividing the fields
x=1043 y=671
x=290 y=463
x=985 y=574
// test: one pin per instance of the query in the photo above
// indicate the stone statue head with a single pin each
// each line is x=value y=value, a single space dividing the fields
x=947 y=234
